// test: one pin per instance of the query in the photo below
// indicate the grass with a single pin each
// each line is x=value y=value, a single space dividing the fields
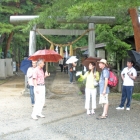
x=136 y=96
x=2 y=81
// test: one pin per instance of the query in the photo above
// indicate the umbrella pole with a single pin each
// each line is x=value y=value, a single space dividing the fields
x=46 y=66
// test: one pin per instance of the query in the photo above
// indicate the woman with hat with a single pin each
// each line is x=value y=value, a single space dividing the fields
x=103 y=88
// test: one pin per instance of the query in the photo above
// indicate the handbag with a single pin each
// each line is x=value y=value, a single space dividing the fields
x=103 y=99
x=95 y=83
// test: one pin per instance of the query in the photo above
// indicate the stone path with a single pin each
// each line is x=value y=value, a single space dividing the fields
x=66 y=117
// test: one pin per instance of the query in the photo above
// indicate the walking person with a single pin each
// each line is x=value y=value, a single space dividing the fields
x=103 y=88
x=70 y=69
x=128 y=75
x=39 y=89
x=30 y=81
x=61 y=64
x=91 y=90
x=65 y=66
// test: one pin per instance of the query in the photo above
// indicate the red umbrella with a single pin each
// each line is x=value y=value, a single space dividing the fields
x=47 y=55
x=92 y=59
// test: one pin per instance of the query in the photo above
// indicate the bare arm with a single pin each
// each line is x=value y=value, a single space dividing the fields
x=47 y=74
x=122 y=76
x=34 y=82
x=131 y=76
x=74 y=64
x=105 y=85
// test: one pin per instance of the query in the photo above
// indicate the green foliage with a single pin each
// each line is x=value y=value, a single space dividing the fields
x=136 y=96
x=20 y=40
x=50 y=10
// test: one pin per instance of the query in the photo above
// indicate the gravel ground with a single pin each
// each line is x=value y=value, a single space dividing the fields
x=66 y=117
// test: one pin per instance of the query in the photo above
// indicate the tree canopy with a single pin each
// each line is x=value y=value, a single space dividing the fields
x=50 y=10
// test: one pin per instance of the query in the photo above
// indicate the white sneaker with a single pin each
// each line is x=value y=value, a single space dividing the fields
x=88 y=112
x=40 y=115
x=34 y=117
x=128 y=108
x=120 y=108
x=93 y=112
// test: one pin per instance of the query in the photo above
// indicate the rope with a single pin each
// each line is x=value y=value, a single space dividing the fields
x=63 y=45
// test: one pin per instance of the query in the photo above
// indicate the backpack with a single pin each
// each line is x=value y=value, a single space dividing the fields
x=112 y=80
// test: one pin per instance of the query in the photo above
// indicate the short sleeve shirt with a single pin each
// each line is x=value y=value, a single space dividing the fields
x=30 y=75
x=127 y=80
x=104 y=74
x=38 y=74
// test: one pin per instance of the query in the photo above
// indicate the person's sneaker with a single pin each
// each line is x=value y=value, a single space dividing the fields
x=34 y=117
x=88 y=112
x=120 y=108
x=128 y=108
x=40 y=115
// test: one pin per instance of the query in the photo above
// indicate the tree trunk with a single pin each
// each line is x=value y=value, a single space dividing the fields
x=136 y=27
x=8 y=43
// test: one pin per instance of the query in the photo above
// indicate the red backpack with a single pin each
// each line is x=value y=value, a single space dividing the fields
x=113 y=79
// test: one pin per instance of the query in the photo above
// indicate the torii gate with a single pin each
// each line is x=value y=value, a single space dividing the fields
x=86 y=19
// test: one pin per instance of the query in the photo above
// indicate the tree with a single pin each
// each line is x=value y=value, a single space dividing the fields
x=12 y=38
x=113 y=35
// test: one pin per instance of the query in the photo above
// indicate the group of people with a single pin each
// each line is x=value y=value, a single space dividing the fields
x=128 y=75
x=36 y=76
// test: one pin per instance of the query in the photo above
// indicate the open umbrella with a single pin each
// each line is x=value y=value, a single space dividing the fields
x=25 y=64
x=135 y=56
x=91 y=59
x=47 y=55
x=72 y=59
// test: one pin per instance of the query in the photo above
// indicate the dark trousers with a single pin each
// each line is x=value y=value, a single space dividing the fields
x=61 y=66
x=71 y=76
x=126 y=94
x=66 y=69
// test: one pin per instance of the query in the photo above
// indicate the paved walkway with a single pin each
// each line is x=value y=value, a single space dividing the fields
x=66 y=118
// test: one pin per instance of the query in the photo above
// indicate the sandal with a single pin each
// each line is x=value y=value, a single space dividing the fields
x=105 y=115
x=101 y=117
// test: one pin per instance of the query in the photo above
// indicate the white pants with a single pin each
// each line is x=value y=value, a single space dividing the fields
x=39 y=100
x=90 y=93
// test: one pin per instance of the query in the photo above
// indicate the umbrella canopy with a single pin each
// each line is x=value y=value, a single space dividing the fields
x=47 y=55
x=72 y=59
x=135 y=56
x=92 y=59
x=25 y=64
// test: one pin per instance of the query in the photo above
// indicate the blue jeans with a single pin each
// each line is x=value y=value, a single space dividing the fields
x=71 y=76
x=126 y=94
x=32 y=94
